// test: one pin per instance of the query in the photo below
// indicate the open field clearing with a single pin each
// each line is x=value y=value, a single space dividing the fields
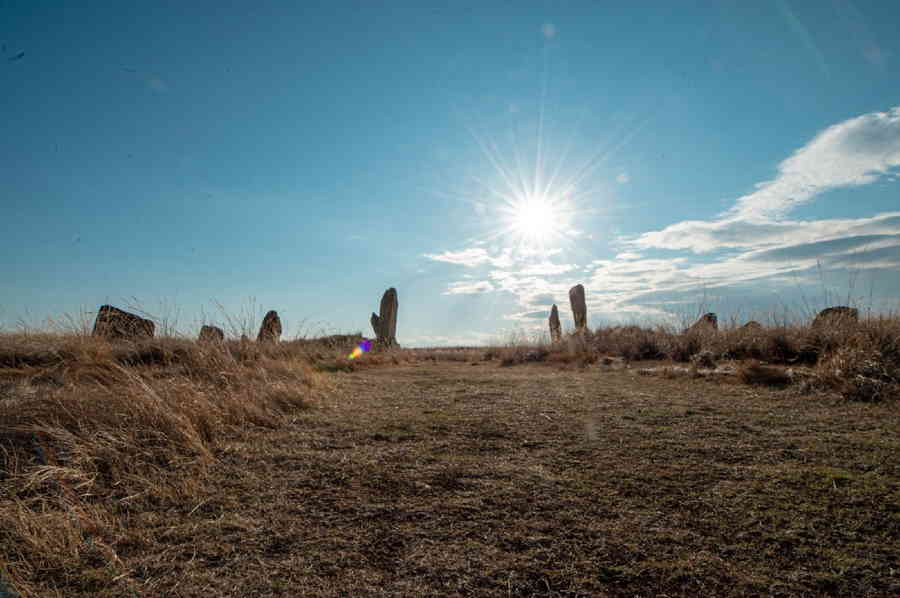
x=429 y=299
x=467 y=478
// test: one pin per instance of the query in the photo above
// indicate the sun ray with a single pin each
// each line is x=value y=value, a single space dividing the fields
x=534 y=198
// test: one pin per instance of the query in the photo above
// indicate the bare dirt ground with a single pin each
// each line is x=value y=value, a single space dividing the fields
x=441 y=479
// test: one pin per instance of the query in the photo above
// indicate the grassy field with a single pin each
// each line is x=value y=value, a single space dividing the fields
x=625 y=463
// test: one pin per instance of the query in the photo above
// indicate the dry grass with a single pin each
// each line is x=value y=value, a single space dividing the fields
x=858 y=360
x=168 y=467
x=133 y=423
x=755 y=373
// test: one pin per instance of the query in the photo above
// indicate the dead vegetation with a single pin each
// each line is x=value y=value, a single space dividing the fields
x=144 y=468
x=858 y=360
x=133 y=423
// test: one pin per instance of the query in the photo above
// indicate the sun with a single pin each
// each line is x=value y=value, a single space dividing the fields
x=535 y=220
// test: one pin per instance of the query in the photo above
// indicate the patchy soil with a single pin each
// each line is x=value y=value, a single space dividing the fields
x=448 y=479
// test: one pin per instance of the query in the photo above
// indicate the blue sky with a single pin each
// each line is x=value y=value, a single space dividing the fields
x=482 y=158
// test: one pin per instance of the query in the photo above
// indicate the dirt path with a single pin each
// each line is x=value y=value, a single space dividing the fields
x=453 y=479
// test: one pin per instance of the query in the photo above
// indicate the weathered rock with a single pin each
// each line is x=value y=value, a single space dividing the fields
x=836 y=315
x=704 y=359
x=385 y=323
x=579 y=307
x=555 y=328
x=112 y=322
x=706 y=322
x=270 y=330
x=211 y=334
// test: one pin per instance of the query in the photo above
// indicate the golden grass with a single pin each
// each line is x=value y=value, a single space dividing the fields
x=130 y=422
x=101 y=442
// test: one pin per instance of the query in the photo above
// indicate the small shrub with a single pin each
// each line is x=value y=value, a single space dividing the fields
x=779 y=347
x=860 y=373
x=683 y=346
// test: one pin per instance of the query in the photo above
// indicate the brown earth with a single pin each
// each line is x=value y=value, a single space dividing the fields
x=444 y=479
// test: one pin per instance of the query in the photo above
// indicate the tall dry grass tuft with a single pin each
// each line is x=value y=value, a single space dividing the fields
x=91 y=428
x=863 y=364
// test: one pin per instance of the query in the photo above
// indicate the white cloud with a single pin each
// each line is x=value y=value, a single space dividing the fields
x=467 y=287
x=628 y=255
x=701 y=236
x=472 y=257
x=855 y=152
x=545 y=269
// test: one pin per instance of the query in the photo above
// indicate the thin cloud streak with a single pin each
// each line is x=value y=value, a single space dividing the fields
x=855 y=152
x=467 y=287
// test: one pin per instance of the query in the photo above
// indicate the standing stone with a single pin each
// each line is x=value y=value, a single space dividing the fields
x=211 y=334
x=385 y=323
x=376 y=324
x=579 y=308
x=555 y=328
x=270 y=331
x=112 y=322
x=706 y=322
x=836 y=315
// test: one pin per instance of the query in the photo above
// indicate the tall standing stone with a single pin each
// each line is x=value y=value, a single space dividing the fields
x=385 y=323
x=555 y=328
x=270 y=330
x=579 y=307
x=113 y=322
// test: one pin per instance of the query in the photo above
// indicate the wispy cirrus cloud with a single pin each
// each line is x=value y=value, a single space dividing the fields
x=855 y=152
x=472 y=257
x=468 y=287
x=703 y=236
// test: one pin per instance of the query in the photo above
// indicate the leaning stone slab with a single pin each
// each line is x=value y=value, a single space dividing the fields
x=211 y=334
x=270 y=330
x=113 y=323
x=555 y=327
x=579 y=307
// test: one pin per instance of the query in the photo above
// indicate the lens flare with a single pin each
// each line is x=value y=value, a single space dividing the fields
x=364 y=347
